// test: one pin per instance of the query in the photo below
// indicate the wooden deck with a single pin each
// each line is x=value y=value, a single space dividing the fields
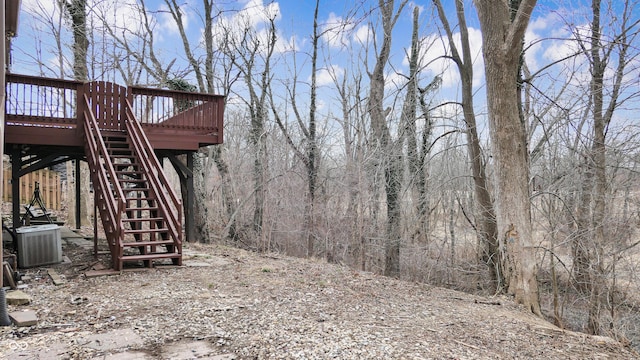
x=46 y=120
x=47 y=112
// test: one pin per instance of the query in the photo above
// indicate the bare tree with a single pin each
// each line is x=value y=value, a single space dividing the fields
x=416 y=152
x=600 y=55
x=76 y=10
x=309 y=155
x=503 y=26
x=206 y=83
x=390 y=155
x=485 y=214
x=252 y=57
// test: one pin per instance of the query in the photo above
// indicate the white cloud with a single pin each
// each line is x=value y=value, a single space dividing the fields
x=255 y=13
x=336 y=30
x=254 y=18
x=46 y=8
x=116 y=14
x=167 y=24
x=394 y=81
x=326 y=76
x=120 y=13
x=363 y=34
x=413 y=5
x=433 y=49
x=533 y=39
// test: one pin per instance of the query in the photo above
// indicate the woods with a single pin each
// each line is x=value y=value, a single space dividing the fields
x=460 y=144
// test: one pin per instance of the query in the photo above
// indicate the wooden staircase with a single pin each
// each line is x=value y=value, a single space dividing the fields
x=140 y=213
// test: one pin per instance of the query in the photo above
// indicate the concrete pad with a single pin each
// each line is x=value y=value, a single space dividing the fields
x=192 y=350
x=17 y=297
x=24 y=318
x=80 y=242
x=113 y=340
x=67 y=233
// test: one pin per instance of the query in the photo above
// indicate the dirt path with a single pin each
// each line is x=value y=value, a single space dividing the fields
x=230 y=304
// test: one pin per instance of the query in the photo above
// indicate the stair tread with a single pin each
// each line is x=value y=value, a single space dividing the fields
x=146 y=231
x=144 y=219
x=116 y=142
x=147 y=243
x=151 y=256
x=142 y=208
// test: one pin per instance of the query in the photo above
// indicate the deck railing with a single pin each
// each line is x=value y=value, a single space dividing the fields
x=39 y=101
x=177 y=109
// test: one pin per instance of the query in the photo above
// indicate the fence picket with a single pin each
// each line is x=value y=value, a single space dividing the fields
x=50 y=187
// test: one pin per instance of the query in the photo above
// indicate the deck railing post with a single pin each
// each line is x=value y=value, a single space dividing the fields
x=80 y=108
x=219 y=116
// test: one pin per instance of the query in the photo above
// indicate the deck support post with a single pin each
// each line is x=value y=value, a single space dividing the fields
x=189 y=202
x=95 y=224
x=77 y=182
x=16 y=165
x=185 y=173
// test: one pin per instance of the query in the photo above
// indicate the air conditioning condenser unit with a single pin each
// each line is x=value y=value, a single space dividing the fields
x=39 y=245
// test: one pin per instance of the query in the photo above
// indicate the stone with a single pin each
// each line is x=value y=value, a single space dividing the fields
x=17 y=297
x=56 y=278
x=24 y=318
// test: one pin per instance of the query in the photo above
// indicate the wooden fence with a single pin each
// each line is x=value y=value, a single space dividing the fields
x=50 y=188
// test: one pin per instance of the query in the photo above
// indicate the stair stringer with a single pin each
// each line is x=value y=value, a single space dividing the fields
x=109 y=196
x=169 y=205
x=115 y=118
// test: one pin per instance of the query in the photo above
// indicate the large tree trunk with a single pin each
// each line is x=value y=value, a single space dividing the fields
x=599 y=64
x=502 y=38
x=226 y=187
x=76 y=10
x=416 y=155
x=487 y=231
x=391 y=156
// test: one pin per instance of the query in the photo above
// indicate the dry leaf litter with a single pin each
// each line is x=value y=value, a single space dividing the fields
x=242 y=305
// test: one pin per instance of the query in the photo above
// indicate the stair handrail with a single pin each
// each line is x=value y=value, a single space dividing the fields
x=115 y=207
x=142 y=146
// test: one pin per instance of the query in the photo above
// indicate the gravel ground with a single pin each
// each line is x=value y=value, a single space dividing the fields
x=274 y=307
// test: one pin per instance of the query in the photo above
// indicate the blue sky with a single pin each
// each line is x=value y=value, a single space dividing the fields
x=342 y=50
x=294 y=22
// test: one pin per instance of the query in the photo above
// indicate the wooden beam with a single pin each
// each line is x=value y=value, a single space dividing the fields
x=185 y=173
x=77 y=181
x=189 y=202
x=16 y=164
